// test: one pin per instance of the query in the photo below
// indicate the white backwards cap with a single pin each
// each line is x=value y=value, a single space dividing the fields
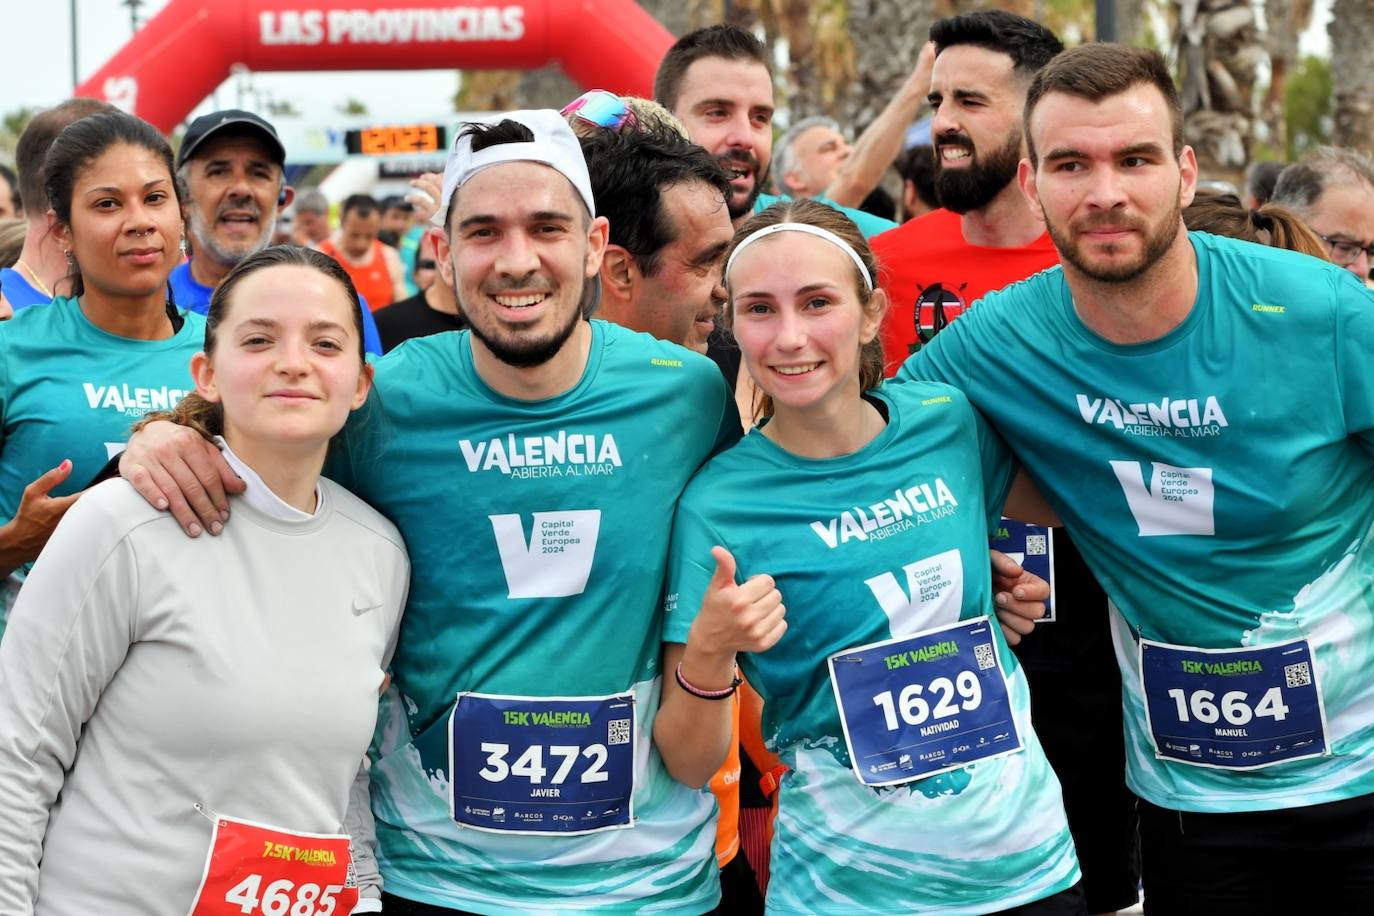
x=554 y=145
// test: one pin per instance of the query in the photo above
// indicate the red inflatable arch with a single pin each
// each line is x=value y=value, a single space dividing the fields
x=187 y=50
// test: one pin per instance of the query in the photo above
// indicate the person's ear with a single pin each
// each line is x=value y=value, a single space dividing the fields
x=619 y=272
x=203 y=371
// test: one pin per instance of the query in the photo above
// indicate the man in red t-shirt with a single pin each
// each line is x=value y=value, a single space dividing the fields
x=933 y=268
x=984 y=236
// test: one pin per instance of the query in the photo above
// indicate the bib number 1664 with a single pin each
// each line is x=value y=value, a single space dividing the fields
x=910 y=702
x=1233 y=706
x=282 y=898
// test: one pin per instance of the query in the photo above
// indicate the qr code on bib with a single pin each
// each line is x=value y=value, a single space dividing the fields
x=1036 y=545
x=1298 y=675
x=983 y=655
x=618 y=732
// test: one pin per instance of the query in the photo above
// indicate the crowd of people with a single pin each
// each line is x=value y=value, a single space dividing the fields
x=693 y=548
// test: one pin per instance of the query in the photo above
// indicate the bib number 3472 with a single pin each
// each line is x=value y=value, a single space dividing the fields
x=542 y=765
x=256 y=870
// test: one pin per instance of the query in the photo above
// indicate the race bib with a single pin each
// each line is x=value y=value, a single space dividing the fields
x=919 y=705
x=1239 y=709
x=256 y=870
x=1033 y=547
x=542 y=765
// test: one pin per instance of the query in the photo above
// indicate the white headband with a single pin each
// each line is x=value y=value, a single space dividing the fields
x=554 y=145
x=817 y=231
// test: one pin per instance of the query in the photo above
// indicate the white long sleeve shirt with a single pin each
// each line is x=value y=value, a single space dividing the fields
x=144 y=672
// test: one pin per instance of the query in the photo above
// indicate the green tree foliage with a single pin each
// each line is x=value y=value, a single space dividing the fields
x=1307 y=102
x=12 y=124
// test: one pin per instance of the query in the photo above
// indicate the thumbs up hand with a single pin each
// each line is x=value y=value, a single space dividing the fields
x=745 y=617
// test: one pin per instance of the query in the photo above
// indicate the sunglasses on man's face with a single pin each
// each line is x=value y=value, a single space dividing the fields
x=426 y=264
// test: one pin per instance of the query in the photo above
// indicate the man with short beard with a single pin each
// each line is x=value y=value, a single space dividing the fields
x=549 y=451
x=231 y=170
x=984 y=236
x=718 y=81
x=1200 y=413
x=936 y=266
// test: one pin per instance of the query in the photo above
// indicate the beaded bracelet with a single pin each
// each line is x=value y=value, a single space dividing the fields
x=708 y=694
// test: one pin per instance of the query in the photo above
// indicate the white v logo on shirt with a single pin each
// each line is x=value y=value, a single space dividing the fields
x=934 y=593
x=556 y=560
x=1178 y=501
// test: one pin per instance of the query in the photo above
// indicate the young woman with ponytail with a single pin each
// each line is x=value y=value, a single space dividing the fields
x=74 y=374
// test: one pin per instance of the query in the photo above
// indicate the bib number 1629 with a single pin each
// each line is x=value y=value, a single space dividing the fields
x=282 y=898
x=910 y=703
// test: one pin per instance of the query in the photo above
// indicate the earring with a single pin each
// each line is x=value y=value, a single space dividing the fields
x=68 y=255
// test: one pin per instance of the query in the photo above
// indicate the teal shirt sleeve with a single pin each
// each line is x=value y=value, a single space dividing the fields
x=690 y=568
x=999 y=467
x=947 y=359
x=730 y=430
x=1354 y=344
x=360 y=441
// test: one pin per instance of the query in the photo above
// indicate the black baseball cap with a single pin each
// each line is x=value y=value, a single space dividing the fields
x=236 y=121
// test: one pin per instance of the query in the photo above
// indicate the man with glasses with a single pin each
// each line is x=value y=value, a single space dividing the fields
x=1332 y=190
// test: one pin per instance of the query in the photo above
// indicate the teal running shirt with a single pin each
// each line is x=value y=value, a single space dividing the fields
x=70 y=390
x=888 y=541
x=1220 y=483
x=538 y=533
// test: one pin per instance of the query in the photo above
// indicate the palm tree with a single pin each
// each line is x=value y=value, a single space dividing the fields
x=1220 y=50
x=850 y=56
x=1284 y=20
x=1352 y=35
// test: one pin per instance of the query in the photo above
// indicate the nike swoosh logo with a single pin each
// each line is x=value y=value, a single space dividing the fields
x=362 y=607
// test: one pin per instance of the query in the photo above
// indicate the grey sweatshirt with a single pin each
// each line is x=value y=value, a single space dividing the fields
x=144 y=672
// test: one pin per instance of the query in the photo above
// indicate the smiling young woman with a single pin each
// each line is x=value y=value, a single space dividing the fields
x=839 y=551
x=150 y=678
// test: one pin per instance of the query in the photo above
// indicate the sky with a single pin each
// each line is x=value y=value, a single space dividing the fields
x=35 y=70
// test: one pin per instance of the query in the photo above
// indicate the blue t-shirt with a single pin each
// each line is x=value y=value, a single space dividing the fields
x=888 y=541
x=71 y=390
x=538 y=534
x=190 y=293
x=869 y=225
x=1219 y=481
x=18 y=291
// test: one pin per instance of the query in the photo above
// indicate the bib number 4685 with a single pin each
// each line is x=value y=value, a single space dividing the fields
x=530 y=764
x=1234 y=706
x=913 y=708
x=282 y=898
